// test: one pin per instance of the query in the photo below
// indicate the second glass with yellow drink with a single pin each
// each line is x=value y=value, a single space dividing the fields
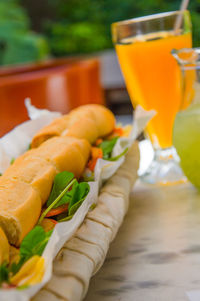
x=143 y=47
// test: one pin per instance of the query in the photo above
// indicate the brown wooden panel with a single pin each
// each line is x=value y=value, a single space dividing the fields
x=58 y=87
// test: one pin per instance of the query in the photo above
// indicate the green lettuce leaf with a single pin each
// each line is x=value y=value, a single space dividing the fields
x=34 y=242
x=107 y=147
x=64 y=218
x=61 y=195
x=61 y=180
x=80 y=193
x=4 y=273
x=119 y=156
x=75 y=207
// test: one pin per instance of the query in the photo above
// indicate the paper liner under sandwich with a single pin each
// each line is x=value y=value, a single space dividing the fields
x=64 y=231
x=82 y=256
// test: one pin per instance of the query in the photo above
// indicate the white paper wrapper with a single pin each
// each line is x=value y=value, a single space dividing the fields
x=17 y=141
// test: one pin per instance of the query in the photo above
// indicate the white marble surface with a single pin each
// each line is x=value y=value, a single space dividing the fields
x=156 y=254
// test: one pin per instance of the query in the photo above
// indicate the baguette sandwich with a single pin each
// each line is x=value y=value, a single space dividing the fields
x=41 y=186
x=26 y=184
x=88 y=122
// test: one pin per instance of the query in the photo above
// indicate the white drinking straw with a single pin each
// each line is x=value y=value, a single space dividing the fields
x=184 y=5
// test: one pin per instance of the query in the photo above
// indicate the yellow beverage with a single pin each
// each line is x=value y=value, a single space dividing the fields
x=153 y=79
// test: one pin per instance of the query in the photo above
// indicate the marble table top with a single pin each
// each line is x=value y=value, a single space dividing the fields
x=156 y=253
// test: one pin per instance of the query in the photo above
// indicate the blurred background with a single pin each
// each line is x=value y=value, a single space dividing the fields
x=33 y=31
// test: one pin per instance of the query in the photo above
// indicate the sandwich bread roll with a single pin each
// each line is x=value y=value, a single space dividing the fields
x=14 y=255
x=27 y=183
x=88 y=122
x=65 y=153
x=20 y=207
x=55 y=128
x=35 y=171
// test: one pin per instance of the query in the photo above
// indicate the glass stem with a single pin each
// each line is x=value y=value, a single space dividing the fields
x=164 y=169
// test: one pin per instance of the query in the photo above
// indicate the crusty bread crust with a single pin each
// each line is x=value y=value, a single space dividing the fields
x=26 y=184
x=35 y=171
x=85 y=128
x=104 y=118
x=88 y=122
x=65 y=153
x=55 y=128
x=10 y=226
x=14 y=255
x=20 y=207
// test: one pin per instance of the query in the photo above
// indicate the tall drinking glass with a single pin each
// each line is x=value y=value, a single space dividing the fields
x=143 y=47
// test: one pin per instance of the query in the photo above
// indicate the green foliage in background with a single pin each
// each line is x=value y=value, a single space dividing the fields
x=195 y=15
x=79 y=37
x=18 y=44
x=84 y=25
x=71 y=26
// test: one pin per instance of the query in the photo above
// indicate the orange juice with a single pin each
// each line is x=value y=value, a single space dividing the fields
x=153 y=79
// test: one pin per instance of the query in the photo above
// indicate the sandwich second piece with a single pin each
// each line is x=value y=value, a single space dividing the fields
x=35 y=171
x=38 y=167
x=65 y=153
x=88 y=122
x=26 y=184
x=55 y=128
x=20 y=207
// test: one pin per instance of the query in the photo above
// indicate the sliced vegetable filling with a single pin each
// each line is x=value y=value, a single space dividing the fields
x=66 y=197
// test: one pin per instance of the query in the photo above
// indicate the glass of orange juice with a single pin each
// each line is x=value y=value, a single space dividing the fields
x=152 y=77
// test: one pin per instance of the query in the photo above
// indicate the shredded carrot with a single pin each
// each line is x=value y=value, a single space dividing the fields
x=57 y=211
x=118 y=131
x=92 y=163
x=96 y=153
x=98 y=141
